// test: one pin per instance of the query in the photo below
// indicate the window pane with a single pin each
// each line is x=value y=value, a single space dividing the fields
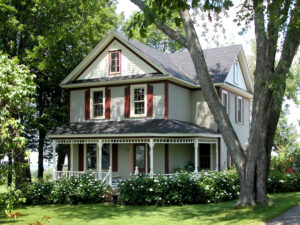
x=139 y=94
x=115 y=62
x=105 y=156
x=204 y=152
x=98 y=110
x=225 y=101
x=98 y=97
x=140 y=156
x=139 y=108
x=239 y=110
x=91 y=156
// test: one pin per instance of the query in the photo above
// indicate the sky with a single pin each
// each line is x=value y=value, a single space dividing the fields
x=231 y=37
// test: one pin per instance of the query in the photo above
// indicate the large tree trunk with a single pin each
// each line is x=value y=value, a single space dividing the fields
x=9 y=174
x=42 y=136
x=22 y=169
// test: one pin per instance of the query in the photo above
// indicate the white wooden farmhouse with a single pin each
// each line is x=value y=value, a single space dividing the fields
x=135 y=109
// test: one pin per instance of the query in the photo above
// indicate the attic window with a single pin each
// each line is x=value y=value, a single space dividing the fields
x=114 y=62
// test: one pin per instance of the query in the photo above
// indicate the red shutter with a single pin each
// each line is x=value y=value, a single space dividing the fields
x=150 y=101
x=127 y=102
x=115 y=157
x=236 y=109
x=242 y=109
x=80 y=157
x=166 y=158
x=87 y=104
x=166 y=100
x=107 y=103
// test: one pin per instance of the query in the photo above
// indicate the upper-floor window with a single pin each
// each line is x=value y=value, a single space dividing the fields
x=225 y=100
x=235 y=73
x=239 y=110
x=114 y=62
x=97 y=103
x=91 y=156
x=138 y=100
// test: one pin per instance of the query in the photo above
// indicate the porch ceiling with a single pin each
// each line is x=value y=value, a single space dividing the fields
x=131 y=128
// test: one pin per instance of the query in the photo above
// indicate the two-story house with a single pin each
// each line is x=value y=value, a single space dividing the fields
x=133 y=108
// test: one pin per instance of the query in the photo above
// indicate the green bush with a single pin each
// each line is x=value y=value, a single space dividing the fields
x=283 y=182
x=85 y=187
x=183 y=188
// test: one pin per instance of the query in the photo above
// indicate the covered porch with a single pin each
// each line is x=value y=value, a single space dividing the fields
x=113 y=159
x=115 y=150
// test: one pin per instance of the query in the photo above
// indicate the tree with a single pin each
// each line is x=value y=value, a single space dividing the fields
x=153 y=37
x=51 y=38
x=275 y=22
x=16 y=99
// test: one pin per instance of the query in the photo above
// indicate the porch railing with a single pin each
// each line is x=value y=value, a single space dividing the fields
x=105 y=176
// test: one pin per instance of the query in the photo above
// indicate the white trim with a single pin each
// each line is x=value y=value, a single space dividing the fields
x=227 y=103
x=235 y=90
x=235 y=72
x=92 y=90
x=134 y=135
x=236 y=110
x=132 y=108
x=71 y=157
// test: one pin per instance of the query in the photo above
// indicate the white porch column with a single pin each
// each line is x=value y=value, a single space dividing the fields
x=54 y=144
x=217 y=157
x=196 y=146
x=100 y=144
x=151 y=145
x=71 y=157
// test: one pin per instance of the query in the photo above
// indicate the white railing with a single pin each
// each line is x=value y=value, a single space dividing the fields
x=105 y=175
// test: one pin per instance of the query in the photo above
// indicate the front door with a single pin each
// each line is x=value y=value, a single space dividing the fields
x=139 y=157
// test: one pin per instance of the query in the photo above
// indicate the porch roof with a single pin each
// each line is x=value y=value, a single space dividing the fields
x=131 y=127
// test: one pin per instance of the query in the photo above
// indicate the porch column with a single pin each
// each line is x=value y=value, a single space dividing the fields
x=217 y=157
x=100 y=144
x=196 y=145
x=71 y=157
x=151 y=145
x=54 y=144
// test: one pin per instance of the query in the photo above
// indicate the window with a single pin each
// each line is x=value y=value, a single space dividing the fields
x=235 y=73
x=204 y=153
x=105 y=156
x=239 y=110
x=225 y=100
x=138 y=100
x=97 y=103
x=115 y=62
x=91 y=156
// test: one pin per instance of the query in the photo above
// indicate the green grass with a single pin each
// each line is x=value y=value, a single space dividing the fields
x=220 y=213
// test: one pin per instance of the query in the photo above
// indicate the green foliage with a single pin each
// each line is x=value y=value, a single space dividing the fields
x=152 y=36
x=86 y=188
x=11 y=199
x=183 y=188
x=17 y=88
x=283 y=182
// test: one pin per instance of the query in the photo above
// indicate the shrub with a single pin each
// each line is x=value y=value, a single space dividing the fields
x=184 y=188
x=86 y=187
x=283 y=182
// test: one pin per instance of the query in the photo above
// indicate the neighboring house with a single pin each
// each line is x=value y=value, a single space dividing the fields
x=133 y=108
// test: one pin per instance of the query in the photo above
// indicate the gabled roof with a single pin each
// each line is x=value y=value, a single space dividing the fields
x=177 y=65
x=130 y=127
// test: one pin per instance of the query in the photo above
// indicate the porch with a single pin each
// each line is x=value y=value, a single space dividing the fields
x=113 y=159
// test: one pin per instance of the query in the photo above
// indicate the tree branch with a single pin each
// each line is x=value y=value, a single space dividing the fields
x=230 y=137
x=163 y=27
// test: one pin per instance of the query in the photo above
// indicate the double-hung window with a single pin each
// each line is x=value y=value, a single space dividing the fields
x=115 y=62
x=91 y=156
x=225 y=102
x=239 y=109
x=235 y=73
x=97 y=103
x=138 y=100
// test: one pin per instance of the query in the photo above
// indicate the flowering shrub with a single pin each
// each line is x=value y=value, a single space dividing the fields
x=184 y=188
x=283 y=182
x=86 y=188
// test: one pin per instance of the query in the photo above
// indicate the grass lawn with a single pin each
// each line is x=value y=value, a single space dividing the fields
x=220 y=213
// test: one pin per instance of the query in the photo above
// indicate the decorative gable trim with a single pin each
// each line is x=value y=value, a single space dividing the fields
x=69 y=77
